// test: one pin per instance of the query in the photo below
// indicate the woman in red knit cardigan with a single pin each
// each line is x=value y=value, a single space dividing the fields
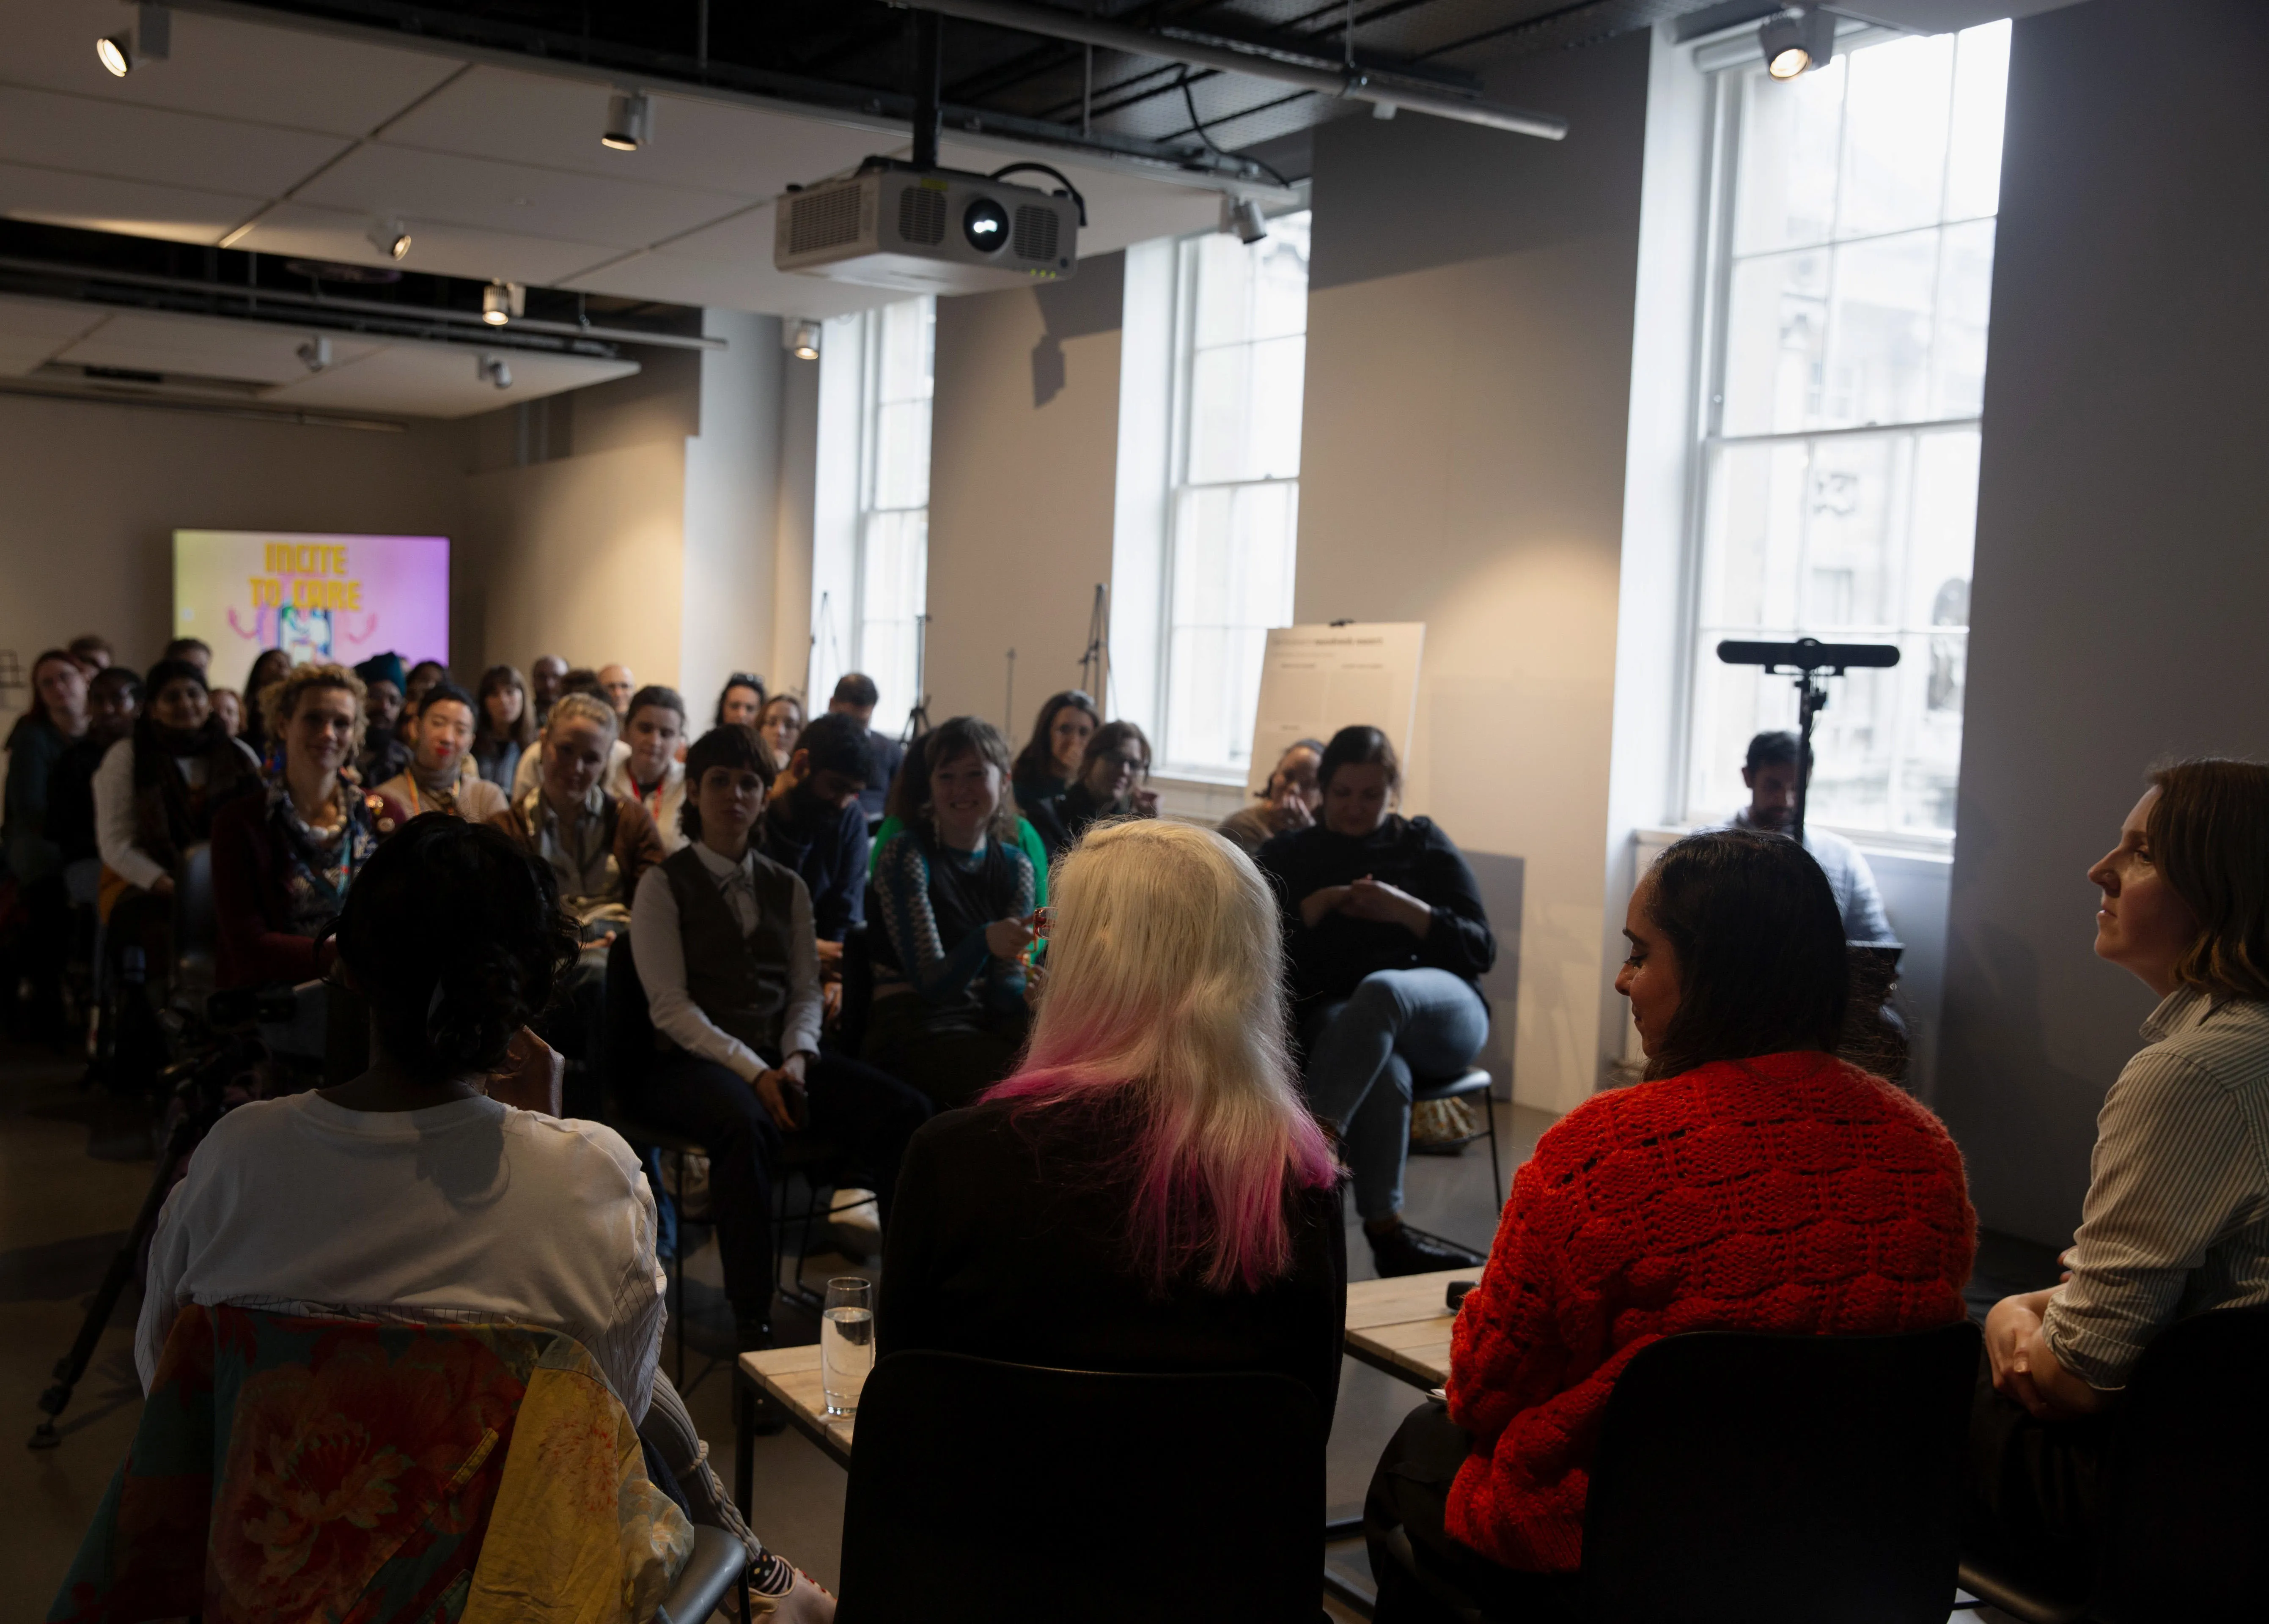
x=1753 y=1182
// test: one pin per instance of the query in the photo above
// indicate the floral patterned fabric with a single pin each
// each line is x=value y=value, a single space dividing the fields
x=290 y=1468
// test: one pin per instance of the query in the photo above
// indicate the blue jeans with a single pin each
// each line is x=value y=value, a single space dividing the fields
x=1361 y=1056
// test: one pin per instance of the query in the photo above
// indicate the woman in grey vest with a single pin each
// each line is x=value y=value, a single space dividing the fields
x=725 y=948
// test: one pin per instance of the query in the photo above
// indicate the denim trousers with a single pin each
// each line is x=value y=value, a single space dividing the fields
x=1363 y=1055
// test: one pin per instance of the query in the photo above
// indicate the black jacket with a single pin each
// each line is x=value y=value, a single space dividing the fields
x=1411 y=854
x=1007 y=1241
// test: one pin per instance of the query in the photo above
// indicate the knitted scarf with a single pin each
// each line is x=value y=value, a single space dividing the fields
x=168 y=814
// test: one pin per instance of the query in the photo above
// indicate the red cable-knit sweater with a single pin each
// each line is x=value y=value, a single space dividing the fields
x=1788 y=1194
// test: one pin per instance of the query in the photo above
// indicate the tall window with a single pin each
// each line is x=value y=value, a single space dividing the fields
x=1240 y=326
x=1849 y=280
x=870 y=566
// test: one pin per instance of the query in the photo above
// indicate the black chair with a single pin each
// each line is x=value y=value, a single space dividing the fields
x=2186 y=1498
x=1774 y=1479
x=858 y=988
x=628 y=1046
x=985 y=1493
x=1472 y=1082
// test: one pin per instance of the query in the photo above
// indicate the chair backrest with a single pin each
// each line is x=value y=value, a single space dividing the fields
x=628 y=1043
x=1811 y=1480
x=858 y=988
x=197 y=925
x=985 y=1491
x=2190 y=1497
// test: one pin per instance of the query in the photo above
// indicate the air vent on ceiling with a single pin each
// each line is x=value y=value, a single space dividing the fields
x=823 y=219
x=921 y=215
x=1036 y=234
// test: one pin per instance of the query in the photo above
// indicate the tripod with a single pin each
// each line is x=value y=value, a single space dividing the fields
x=200 y=1085
x=1095 y=663
x=1808 y=659
x=918 y=718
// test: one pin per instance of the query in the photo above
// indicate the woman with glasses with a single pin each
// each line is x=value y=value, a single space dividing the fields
x=1112 y=783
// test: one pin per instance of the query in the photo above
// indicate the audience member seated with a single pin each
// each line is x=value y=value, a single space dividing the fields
x=814 y=826
x=423 y=676
x=778 y=724
x=598 y=845
x=156 y=792
x=194 y=651
x=228 y=709
x=910 y=767
x=381 y=754
x=37 y=745
x=855 y=697
x=1803 y=1198
x=2176 y=1218
x=1289 y=803
x=1770 y=772
x=407 y=1194
x=94 y=653
x=1110 y=785
x=547 y=680
x=1150 y=1173
x=271 y=668
x=724 y=943
x=113 y=700
x=741 y=702
x=283 y=859
x=441 y=776
x=530 y=772
x=1051 y=760
x=651 y=774
x=506 y=725
x=956 y=897
x=616 y=686
x=1388 y=943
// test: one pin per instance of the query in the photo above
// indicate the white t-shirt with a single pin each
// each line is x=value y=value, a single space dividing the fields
x=472 y=1212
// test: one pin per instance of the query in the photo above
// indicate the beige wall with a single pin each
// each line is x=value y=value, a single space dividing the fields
x=93 y=493
x=1024 y=453
x=1469 y=366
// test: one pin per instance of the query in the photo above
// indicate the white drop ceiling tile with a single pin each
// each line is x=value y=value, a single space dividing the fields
x=750 y=285
x=135 y=207
x=85 y=134
x=52 y=322
x=735 y=238
x=207 y=347
x=311 y=232
x=218 y=65
x=19 y=359
x=555 y=123
x=442 y=380
x=517 y=199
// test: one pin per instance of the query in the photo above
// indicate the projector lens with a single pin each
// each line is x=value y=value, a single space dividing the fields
x=986 y=225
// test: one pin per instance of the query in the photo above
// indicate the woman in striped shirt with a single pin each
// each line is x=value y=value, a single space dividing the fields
x=2176 y=1218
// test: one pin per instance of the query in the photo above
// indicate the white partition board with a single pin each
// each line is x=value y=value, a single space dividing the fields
x=1316 y=680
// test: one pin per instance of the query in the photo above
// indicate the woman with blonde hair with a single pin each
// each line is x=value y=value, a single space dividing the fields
x=1151 y=1164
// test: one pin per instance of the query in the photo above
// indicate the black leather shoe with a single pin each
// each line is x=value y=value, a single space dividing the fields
x=1405 y=1250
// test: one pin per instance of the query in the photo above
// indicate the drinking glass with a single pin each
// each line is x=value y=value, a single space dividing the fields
x=846 y=1342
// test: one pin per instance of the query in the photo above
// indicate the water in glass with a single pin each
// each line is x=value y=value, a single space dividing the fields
x=846 y=1353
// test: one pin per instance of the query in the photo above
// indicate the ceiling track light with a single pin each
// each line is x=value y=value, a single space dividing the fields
x=1241 y=217
x=500 y=301
x=390 y=237
x=1798 y=40
x=151 y=40
x=494 y=369
x=801 y=339
x=315 y=354
x=630 y=121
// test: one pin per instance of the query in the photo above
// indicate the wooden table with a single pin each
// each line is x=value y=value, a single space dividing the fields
x=1402 y=1326
x=789 y=1376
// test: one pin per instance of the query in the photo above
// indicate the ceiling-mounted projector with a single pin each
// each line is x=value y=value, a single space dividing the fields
x=929 y=230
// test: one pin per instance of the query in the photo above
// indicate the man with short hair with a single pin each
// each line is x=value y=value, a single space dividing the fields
x=1771 y=774
x=651 y=774
x=441 y=776
x=547 y=680
x=815 y=828
x=617 y=683
x=855 y=697
x=197 y=650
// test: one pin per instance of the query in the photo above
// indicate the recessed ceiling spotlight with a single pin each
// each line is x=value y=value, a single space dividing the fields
x=494 y=370
x=500 y=301
x=630 y=121
x=1798 y=40
x=390 y=237
x=152 y=39
x=315 y=354
x=801 y=339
